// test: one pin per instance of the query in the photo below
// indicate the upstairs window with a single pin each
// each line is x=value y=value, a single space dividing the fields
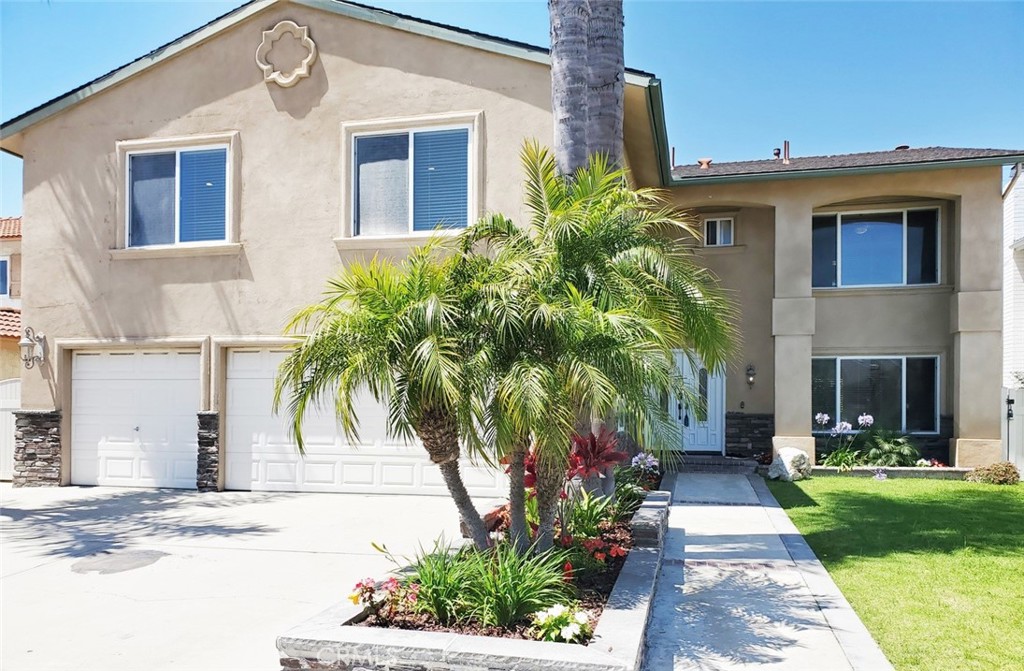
x=718 y=232
x=864 y=249
x=5 y=277
x=411 y=181
x=177 y=196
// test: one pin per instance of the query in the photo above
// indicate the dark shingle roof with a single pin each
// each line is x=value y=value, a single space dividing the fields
x=865 y=160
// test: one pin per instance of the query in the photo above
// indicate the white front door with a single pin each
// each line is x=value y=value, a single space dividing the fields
x=133 y=418
x=702 y=431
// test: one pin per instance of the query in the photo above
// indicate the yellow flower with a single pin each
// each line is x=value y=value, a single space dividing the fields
x=354 y=598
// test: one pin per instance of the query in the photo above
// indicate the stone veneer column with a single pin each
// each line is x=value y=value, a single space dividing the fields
x=37 y=457
x=793 y=326
x=208 y=459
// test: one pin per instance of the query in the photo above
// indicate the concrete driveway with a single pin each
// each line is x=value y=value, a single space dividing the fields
x=105 y=578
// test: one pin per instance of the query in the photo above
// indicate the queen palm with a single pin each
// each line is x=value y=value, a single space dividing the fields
x=606 y=290
x=397 y=332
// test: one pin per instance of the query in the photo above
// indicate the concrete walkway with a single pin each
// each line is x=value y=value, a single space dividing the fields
x=740 y=589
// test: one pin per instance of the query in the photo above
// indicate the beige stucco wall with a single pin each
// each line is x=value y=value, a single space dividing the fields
x=289 y=198
x=10 y=358
x=959 y=319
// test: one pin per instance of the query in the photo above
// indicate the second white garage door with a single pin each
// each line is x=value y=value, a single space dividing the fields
x=133 y=419
x=260 y=455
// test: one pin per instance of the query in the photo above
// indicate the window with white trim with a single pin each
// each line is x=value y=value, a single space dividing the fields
x=412 y=181
x=177 y=196
x=718 y=232
x=900 y=392
x=883 y=248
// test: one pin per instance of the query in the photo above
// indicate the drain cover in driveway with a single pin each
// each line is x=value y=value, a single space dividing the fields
x=116 y=562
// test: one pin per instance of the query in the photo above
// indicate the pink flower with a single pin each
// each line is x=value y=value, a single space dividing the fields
x=413 y=593
x=391 y=585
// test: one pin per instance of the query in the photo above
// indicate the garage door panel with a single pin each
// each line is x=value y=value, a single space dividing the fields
x=261 y=455
x=134 y=419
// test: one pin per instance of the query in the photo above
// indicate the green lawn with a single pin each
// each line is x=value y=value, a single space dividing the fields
x=934 y=568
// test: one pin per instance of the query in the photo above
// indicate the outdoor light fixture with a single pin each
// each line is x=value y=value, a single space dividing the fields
x=33 y=347
x=751 y=374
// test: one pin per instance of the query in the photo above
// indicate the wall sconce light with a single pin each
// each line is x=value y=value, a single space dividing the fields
x=751 y=374
x=33 y=348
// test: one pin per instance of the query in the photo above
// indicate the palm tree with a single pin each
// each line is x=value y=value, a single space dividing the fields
x=570 y=21
x=587 y=80
x=399 y=333
x=606 y=75
x=603 y=290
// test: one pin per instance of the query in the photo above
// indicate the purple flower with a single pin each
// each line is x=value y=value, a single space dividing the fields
x=865 y=420
x=841 y=428
x=821 y=419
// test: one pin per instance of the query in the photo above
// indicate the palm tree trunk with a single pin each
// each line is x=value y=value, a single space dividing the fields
x=517 y=498
x=440 y=435
x=606 y=74
x=550 y=481
x=569 y=21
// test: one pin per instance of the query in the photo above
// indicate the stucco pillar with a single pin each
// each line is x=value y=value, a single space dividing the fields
x=793 y=327
x=976 y=325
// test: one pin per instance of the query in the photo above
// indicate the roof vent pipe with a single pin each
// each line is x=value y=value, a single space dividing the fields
x=785 y=152
x=776 y=153
x=673 y=157
x=902 y=147
x=704 y=163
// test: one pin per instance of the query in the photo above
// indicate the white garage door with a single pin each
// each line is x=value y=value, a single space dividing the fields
x=133 y=419
x=260 y=455
x=10 y=400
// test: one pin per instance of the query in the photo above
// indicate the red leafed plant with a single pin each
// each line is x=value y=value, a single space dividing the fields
x=594 y=455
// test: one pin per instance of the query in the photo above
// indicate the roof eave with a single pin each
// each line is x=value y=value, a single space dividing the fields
x=852 y=170
x=16 y=125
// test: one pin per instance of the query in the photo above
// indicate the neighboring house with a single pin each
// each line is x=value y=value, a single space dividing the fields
x=185 y=205
x=10 y=297
x=1013 y=281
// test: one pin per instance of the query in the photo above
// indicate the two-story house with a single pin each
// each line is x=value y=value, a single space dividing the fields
x=186 y=204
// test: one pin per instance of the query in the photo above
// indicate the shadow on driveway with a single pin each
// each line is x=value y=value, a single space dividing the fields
x=110 y=521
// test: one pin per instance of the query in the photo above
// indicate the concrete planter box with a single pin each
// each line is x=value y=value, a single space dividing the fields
x=329 y=641
x=895 y=472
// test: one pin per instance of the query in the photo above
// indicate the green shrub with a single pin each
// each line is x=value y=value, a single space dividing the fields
x=888 y=448
x=585 y=512
x=1001 y=473
x=503 y=588
x=628 y=497
x=843 y=457
x=441 y=575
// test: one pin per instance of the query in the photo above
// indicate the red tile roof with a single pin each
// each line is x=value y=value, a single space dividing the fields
x=10 y=227
x=10 y=323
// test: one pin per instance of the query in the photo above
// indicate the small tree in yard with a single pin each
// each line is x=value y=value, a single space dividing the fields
x=399 y=333
x=604 y=291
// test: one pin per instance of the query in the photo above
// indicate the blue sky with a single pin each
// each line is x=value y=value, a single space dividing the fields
x=739 y=77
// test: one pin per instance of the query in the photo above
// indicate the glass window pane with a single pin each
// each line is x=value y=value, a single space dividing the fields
x=823 y=390
x=440 y=179
x=922 y=246
x=823 y=254
x=4 y=287
x=725 y=231
x=202 y=204
x=151 y=199
x=872 y=386
x=921 y=388
x=872 y=248
x=711 y=232
x=382 y=185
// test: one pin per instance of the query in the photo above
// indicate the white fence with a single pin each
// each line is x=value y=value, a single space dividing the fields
x=1013 y=426
x=10 y=400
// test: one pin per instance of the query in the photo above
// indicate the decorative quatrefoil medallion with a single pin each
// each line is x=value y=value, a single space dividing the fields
x=272 y=71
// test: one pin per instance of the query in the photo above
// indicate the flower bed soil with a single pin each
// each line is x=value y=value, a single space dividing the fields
x=593 y=589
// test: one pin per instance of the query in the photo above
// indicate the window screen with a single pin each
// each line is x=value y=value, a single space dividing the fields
x=151 y=195
x=382 y=184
